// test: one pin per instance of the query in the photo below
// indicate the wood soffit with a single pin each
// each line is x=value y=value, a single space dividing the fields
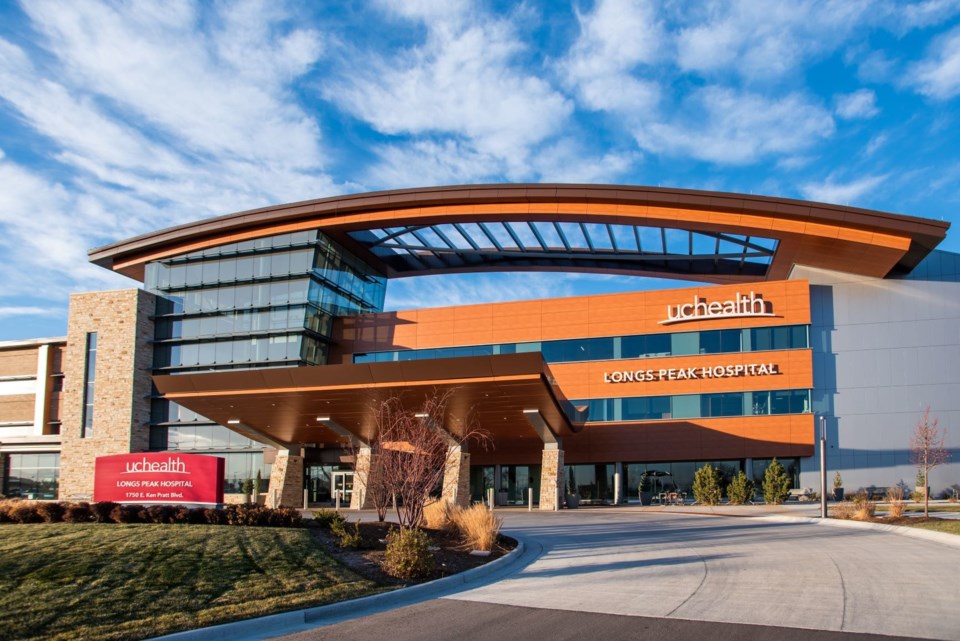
x=284 y=403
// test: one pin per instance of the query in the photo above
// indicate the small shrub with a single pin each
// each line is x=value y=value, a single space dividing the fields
x=776 y=484
x=863 y=507
x=25 y=512
x=101 y=511
x=5 y=511
x=51 y=512
x=214 y=516
x=408 y=554
x=706 y=485
x=287 y=517
x=126 y=513
x=741 y=489
x=326 y=518
x=77 y=513
x=349 y=534
x=160 y=513
x=478 y=526
x=197 y=516
x=895 y=499
x=440 y=515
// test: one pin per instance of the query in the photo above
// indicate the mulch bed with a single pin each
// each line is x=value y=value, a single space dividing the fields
x=905 y=520
x=450 y=555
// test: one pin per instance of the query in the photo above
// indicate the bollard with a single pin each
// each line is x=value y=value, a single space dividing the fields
x=529 y=499
x=616 y=488
x=306 y=499
x=490 y=498
x=336 y=494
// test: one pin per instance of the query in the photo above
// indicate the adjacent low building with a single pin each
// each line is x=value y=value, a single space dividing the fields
x=259 y=337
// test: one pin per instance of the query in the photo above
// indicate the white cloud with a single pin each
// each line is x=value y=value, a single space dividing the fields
x=147 y=115
x=830 y=191
x=428 y=162
x=938 y=76
x=927 y=13
x=765 y=40
x=859 y=104
x=469 y=289
x=615 y=39
x=218 y=94
x=567 y=162
x=7 y=312
x=464 y=82
x=723 y=126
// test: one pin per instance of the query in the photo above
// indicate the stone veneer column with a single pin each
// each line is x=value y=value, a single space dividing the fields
x=456 y=477
x=361 y=473
x=121 y=399
x=551 y=479
x=286 y=480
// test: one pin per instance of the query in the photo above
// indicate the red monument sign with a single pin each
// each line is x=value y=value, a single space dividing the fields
x=159 y=477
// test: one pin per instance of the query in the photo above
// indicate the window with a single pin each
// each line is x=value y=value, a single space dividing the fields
x=89 y=383
x=32 y=476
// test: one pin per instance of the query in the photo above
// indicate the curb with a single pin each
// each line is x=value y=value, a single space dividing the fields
x=273 y=625
x=951 y=540
x=943 y=538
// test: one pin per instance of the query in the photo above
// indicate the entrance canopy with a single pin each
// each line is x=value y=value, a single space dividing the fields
x=512 y=396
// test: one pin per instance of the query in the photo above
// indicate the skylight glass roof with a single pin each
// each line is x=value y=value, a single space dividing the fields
x=566 y=245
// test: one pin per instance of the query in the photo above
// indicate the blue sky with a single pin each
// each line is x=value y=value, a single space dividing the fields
x=121 y=118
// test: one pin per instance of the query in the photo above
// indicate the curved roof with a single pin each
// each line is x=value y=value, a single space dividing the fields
x=646 y=231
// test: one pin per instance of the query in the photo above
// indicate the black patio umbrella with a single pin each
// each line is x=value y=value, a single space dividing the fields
x=658 y=474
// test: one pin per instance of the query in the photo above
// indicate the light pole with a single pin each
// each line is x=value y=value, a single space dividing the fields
x=823 y=466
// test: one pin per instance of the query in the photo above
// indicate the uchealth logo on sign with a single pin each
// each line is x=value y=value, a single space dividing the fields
x=740 y=306
x=159 y=477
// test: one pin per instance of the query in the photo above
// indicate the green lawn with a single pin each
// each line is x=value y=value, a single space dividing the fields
x=951 y=527
x=92 y=581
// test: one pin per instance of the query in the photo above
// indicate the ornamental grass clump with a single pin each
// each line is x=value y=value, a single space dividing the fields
x=408 y=554
x=863 y=507
x=478 y=526
x=440 y=515
x=895 y=499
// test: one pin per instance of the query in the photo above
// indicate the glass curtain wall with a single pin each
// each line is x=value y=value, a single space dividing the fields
x=266 y=302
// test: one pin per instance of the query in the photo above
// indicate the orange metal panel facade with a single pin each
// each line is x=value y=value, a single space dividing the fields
x=784 y=302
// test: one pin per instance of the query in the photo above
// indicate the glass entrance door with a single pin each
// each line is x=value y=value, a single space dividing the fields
x=342 y=485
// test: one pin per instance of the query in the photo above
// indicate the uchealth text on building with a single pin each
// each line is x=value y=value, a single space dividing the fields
x=740 y=306
x=687 y=373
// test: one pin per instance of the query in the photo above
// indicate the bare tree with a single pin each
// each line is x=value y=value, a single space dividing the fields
x=927 y=450
x=413 y=448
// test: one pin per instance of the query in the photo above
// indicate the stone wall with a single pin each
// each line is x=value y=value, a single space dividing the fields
x=286 y=481
x=456 y=477
x=551 y=479
x=121 y=403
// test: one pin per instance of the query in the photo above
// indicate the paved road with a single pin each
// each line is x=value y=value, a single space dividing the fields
x=623 y=573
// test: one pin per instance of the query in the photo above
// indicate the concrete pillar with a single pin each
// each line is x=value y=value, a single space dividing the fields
x=618 y=493
x=360 y=498
x=551 y=479
x=40 y=401
x=456 y=477
x=286 y=480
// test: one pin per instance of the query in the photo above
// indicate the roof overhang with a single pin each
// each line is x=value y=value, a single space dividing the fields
x=834 y=237
x=281 y=406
